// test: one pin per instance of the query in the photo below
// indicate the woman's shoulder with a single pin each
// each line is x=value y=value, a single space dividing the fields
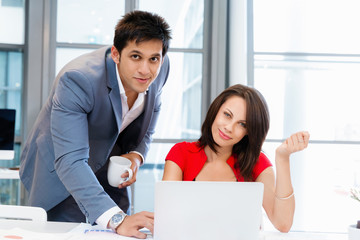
x=262 y=163
x=182 y=147
x=188 y=146
x=264 y=158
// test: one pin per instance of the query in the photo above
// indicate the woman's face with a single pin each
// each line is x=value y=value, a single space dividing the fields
x=229 y=126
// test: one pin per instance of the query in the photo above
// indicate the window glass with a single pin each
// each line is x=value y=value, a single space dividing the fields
x=88 y=21
x=65 y=55
x=12 y=31
x=12 y=15
x=186 y=20
x=11 y=65
x=322 y=177
x=9 y=194
x=318 y=26
x=303 y=66
x=148 y=174
x=180 y=115
x=313 y=93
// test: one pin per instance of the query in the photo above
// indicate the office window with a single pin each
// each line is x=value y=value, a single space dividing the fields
x=307 y=26
x=11 y=65
x=306 y=63
x=12 y=32
x=180 y=110
x=10 y=97
x=184 y=17
x=98 y=20
x=96 y=29
x=66 y=54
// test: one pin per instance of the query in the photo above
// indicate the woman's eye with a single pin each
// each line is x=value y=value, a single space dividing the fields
x=226 y=114
x=242 y=124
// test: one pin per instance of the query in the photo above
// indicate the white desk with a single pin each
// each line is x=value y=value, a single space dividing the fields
x=9 y=174
x=45 y=227
x=302 y=236
x=62 y=227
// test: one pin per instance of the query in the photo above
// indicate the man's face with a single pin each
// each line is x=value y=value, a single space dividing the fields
x=138 y=64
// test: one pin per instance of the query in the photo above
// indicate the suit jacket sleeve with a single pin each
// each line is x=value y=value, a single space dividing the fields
x=72 y=101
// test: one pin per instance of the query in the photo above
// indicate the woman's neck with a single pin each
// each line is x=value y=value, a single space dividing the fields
x=221 y=155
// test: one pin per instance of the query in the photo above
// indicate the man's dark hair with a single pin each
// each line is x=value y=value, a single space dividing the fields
x=141 y=26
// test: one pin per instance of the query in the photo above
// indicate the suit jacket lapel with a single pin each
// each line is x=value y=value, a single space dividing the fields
x=149 y=108
x=114 y=91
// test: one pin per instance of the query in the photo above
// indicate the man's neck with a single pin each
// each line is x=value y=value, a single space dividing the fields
x=131 y=98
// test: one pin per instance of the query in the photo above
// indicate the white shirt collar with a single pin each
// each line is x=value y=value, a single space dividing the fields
x=129 y=115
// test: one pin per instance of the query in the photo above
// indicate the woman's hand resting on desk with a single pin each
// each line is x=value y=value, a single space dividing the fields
x=132 y=224
x=294 y=143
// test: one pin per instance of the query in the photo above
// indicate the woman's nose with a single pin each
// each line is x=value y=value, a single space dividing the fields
x=229 y=127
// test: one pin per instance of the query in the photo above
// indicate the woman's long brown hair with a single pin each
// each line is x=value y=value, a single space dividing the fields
x=257 y=126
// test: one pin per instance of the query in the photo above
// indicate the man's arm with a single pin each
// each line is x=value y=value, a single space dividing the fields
x=72 y=101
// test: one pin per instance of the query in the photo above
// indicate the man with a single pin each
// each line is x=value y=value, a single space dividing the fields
x=102 y=104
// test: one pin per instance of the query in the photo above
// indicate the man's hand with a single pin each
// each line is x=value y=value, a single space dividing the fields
x=132 y=224
x=135 y=164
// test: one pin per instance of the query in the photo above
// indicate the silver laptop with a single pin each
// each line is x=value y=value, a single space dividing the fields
x=207 y=210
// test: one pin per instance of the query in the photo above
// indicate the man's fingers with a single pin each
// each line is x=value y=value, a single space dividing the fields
x=125 y=175
x=148 y=214
x=146 y=219
x=151 y=226
x=127 y=183
x=139 y=234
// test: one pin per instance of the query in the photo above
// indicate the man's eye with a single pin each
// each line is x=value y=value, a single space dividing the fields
x=135 y=56
x=154 y=59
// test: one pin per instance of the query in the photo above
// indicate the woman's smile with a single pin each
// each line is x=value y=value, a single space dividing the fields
x=223 y=135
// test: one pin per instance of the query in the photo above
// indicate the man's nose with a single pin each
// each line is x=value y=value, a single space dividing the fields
x=144 y=68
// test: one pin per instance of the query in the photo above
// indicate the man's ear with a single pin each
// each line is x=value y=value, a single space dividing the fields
x=115 y=55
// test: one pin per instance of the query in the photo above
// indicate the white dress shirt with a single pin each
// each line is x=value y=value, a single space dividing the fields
x=128 y=116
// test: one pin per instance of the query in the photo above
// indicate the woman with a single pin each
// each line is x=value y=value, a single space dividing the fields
x=229 y=149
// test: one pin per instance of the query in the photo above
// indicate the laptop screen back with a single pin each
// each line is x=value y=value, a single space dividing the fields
x=207 y=210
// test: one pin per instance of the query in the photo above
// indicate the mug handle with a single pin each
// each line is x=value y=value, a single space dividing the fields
x=130 y=171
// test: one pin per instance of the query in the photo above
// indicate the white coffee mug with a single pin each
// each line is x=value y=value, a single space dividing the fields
x=117 y=167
